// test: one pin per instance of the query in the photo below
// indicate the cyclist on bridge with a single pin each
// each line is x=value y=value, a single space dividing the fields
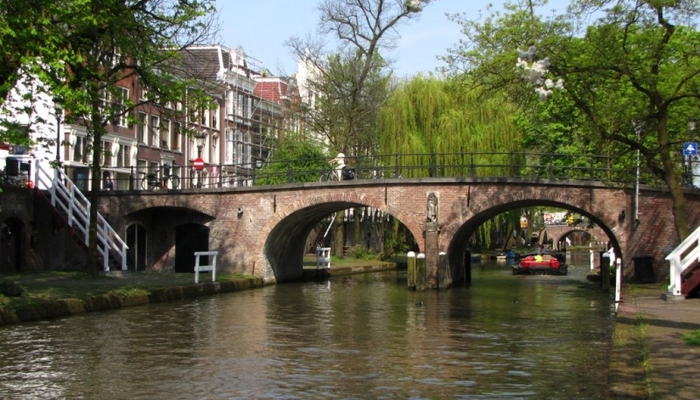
x=339 y=160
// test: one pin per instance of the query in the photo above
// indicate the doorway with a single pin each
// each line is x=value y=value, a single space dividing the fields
x=11 y=246
x=188 y=239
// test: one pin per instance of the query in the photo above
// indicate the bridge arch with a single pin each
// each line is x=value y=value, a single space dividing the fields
x=156 y=237
x=285 y=245
x=457 y=234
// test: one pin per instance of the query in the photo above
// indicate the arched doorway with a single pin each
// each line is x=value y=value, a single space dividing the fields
x=188 y=239
x=11 y=245
x=136 y=240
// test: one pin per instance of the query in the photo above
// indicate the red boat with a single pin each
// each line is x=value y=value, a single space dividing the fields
x=541 y=264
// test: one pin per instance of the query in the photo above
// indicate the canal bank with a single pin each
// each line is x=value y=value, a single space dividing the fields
x=60 y=294
x=649 y=359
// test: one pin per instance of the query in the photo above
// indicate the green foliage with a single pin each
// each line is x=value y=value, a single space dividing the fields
x=298 y=160
x=81 y=51
x=360 y=253
x=428 y=115
x=692 y=338
x=631 y=80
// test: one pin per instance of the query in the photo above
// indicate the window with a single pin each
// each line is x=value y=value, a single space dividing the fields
x=230 y=103
x=240 y=104
x=106 y=154
x=215 y=117
x=80 y=149
x=123 y=156
x=142 y=128
x=204 y=117
x=165 y=134
x=120 y=110
x=154 y=129
x=143 y=91
x=175 y=136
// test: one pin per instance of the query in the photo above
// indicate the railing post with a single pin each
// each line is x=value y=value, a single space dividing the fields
x=551 y=167
x=472 y=167
x=433 y=165
x=396 y=166
x=511 y=158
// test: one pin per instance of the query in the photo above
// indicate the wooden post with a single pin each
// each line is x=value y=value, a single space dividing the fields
x=420 y=272
x=411 y=270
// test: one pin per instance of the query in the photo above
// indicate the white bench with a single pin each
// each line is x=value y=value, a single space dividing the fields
x=205 y=268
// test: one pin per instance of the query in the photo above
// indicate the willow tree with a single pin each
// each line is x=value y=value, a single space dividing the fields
x=431 y=115
x=628 y=67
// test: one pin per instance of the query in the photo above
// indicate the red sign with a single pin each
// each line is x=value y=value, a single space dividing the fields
x=198 y=164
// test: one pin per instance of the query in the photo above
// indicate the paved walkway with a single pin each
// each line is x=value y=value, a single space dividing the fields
x=673 y=370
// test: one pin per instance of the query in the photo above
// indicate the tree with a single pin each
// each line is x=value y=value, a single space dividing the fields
x=351 y=82
x=631 y=76
x=87 y=49
x=303 y=159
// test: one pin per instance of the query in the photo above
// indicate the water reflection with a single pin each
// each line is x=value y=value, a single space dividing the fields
x=504 y=336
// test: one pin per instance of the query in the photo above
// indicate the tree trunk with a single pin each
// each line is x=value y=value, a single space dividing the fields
x=95 y=183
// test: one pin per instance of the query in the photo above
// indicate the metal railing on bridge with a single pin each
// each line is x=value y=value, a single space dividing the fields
x=513 y=166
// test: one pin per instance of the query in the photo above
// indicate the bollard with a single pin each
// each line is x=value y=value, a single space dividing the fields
x=411 y=269
x=443 y=272
x=420 y=272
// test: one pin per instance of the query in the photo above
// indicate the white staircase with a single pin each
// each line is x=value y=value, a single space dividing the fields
x=66 y=197
x=684 y=260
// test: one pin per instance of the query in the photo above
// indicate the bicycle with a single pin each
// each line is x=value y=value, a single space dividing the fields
x=328 y=175
x=151 y=181
x=331 y=174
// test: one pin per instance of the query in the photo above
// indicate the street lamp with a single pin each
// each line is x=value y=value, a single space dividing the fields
x=692 y=125
x=59 y=116
x=257 y=164
x=200 y=143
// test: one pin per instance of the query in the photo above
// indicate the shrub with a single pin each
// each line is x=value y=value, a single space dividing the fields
x=692 y=338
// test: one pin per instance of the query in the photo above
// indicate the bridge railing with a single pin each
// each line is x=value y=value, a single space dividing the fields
x=475 y=165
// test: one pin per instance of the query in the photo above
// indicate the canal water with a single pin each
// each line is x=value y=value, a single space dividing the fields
x=357 y=337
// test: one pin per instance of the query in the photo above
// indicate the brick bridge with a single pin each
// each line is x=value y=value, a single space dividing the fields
x=558 y=233
x=262 y=231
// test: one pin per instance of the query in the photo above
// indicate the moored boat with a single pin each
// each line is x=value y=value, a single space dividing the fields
x=541 y=263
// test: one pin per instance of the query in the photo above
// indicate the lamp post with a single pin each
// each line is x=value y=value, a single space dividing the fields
x=256 y=166
x=59 y=117
x=200 y=143
x=692 y=125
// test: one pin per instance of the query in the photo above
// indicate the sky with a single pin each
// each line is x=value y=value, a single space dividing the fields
x=261 y=27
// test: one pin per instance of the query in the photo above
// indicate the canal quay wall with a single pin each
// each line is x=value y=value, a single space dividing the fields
x=36 y=309
x=129 y=293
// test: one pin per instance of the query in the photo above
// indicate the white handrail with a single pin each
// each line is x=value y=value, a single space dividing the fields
x=203 y=268
x=682 y=257
x=65 y=196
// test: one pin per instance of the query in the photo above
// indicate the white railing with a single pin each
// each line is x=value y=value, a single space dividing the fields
x=64 y=195
x=686 y=254
x=205 y=268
